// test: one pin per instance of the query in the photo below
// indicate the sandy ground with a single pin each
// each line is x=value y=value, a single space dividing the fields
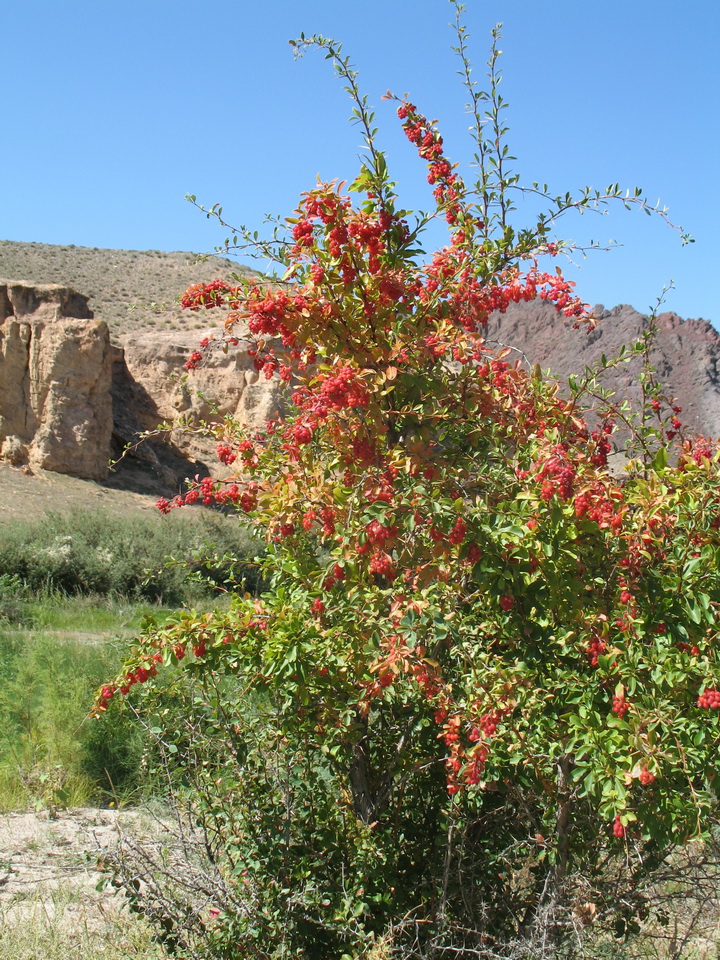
x=29 y=497
x=49 y=865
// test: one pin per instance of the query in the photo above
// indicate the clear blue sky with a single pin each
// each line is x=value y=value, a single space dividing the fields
x=112 y=112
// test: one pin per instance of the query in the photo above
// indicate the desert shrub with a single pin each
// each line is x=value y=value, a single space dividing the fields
x=261 y=848
x=104 y=554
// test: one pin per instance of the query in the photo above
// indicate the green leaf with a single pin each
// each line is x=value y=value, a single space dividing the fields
x=660 y=459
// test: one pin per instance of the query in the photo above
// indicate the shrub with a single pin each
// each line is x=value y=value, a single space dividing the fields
x=478 y=702
x=104 y=554
x=13 y=597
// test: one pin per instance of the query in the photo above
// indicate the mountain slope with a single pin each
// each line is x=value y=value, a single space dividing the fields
x=685 y=354
x=132 y=290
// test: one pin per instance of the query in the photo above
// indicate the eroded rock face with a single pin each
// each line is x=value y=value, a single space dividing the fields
x=150 y=387
x=55 y=375
x=69 y=400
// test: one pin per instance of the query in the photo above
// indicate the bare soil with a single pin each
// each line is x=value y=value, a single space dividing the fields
x=49 y=864
x=31 y=496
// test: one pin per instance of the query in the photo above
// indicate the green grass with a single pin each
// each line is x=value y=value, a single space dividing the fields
x=54 y=652
x=74 y=589
x=99 y=618
x=51 y=754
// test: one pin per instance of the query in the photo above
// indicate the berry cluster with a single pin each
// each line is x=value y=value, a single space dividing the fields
x=140 y=674
x=709 y=700
x=194 y=360
x=422 y=133
x=603 y=446
x=208 y=295
x=602 y=504
x=557 y=475
x=225 y=454
x=620 y=705
x=646 y=777
x=596 y=647
x=383 y=565
x=209 y=492
x=379 y=534
x=487 y=724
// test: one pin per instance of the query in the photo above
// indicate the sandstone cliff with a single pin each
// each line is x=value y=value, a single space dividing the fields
x=150 y=387
x=69 y=400
x=55 y=373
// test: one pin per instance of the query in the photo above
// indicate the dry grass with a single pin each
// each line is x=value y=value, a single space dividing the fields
x=50 y=903
x=132 y=290
x=45 y=935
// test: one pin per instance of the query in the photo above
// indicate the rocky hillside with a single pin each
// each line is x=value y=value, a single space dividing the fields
x=685 y=354
x=70 y=399
x=80 y=380
x=133 y=291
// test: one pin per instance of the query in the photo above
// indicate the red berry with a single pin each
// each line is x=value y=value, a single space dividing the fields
x=709 y=700
x=620 y=706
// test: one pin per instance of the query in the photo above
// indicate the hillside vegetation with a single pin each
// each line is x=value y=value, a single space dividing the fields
x=132 y=290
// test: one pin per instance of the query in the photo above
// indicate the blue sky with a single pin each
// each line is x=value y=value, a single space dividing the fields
x=112 y=112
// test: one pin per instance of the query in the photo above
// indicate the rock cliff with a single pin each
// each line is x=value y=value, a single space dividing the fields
x=149 y=387
x=55 y=374
x=685 y=353
x=70 y=401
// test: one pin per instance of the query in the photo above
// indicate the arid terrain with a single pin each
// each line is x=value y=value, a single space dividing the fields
x=49 y=861
x=133 y=291
x=28 y=496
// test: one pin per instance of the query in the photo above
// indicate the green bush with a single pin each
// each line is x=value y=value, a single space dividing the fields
x=101 y=554
x=14 y=596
